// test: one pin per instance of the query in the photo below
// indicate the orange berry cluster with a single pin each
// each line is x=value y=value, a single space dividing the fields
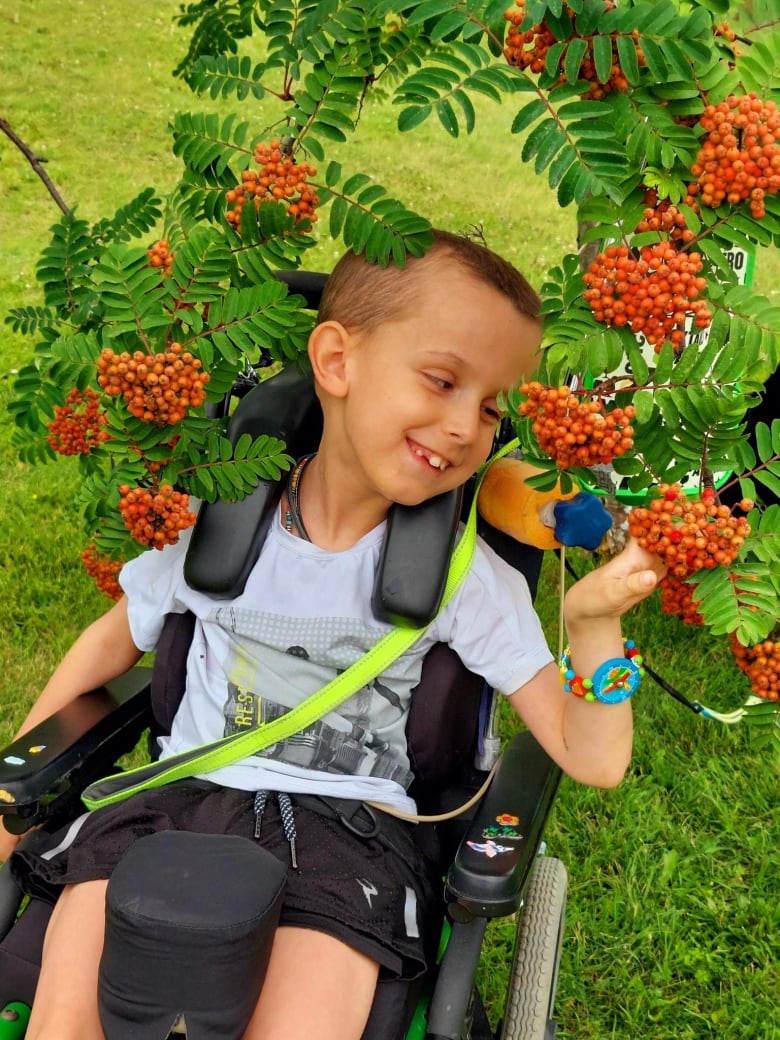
x=576 y=431
x=689 y=534
x=103 y=570
x=652 y=293
x=155 y=518
x=77 y=426
x=677 y=599
x=158 y=388
x=761 y=664
x=528 y=49
x=725 y=31
x=666 y=219
x=160 y=256
x=279 y=179
x=739 y=157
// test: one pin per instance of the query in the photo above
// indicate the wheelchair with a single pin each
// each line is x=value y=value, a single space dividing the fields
x=492 y=861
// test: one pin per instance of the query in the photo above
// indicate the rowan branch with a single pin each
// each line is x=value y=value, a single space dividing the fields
x=36 y=162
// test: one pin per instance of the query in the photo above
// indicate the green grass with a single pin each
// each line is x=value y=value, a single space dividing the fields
x=672 y=917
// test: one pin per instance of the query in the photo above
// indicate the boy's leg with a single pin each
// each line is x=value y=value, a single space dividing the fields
x=66 y=997
x=316 y=986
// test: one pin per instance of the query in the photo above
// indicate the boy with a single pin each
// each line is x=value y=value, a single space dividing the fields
x=408 y=366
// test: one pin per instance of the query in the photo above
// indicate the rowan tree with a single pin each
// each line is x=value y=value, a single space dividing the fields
x=655 y=124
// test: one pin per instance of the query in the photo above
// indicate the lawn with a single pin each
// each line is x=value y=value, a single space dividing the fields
x=673 y=911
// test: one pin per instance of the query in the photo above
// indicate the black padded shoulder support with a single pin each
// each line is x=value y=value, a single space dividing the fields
x=415 y=559
x=228 y=536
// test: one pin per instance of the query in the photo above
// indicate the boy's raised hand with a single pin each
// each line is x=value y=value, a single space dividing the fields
x=612 y=589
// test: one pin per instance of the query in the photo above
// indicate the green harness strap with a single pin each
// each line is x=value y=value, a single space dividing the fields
x=223 y=752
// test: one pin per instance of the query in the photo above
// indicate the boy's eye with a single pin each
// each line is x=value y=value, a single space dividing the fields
x=492 y=409
x=440 y=381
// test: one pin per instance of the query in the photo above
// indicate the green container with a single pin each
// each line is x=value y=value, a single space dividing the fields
x=13 y=1021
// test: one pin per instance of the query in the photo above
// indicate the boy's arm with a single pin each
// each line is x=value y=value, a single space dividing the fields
x=103 y=651
x=591 y=741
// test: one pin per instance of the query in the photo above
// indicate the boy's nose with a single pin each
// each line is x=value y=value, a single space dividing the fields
x=462 y=422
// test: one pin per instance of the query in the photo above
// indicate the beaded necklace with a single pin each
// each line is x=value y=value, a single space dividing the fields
x=292 y=516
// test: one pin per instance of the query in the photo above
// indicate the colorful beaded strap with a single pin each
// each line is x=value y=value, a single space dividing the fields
x=613 y=681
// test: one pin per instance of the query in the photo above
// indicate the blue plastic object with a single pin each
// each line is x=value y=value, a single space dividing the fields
x=581 y=521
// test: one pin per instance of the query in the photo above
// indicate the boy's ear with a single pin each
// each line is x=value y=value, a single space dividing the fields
x=328 y=348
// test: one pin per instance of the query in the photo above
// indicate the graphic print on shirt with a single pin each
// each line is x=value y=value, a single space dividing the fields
x=275 y=662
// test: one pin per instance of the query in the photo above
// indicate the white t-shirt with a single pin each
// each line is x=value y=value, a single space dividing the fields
x=303 y=616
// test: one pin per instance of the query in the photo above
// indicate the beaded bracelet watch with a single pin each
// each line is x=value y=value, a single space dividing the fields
x=613 y=682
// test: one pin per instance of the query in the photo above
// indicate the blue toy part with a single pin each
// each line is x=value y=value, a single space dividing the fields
x=581 y=521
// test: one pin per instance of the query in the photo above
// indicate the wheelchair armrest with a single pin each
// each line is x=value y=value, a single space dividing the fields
x=493 y=861
x=43 y=773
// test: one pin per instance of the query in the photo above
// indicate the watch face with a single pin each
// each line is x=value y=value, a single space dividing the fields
x=616 y=680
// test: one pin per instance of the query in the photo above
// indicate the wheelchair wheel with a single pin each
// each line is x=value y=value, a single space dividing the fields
x=534 y=975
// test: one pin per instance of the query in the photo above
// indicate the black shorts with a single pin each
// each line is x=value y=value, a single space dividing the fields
x=379 y=895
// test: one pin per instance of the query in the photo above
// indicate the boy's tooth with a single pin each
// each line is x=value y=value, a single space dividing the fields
x=433 y=460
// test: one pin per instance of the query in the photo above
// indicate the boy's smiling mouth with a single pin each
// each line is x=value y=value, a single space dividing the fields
x=434 y=460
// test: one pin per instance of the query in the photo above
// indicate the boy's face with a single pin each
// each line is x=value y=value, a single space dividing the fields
x=420 y=411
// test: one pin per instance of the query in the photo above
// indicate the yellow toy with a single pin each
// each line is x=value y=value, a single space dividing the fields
x=539 y=518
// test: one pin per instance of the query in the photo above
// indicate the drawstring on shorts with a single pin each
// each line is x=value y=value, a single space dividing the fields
x=287 y=818
x=362 y=820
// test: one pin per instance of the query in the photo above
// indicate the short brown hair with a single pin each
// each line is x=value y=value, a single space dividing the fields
x=362 y=295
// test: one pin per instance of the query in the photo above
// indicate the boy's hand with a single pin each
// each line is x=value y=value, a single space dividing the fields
x=612 y=589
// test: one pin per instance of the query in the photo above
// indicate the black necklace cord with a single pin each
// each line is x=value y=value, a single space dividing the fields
x=293 y=518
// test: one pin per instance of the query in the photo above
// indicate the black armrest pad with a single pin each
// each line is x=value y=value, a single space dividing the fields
x=495 y=856
x=80 y=742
